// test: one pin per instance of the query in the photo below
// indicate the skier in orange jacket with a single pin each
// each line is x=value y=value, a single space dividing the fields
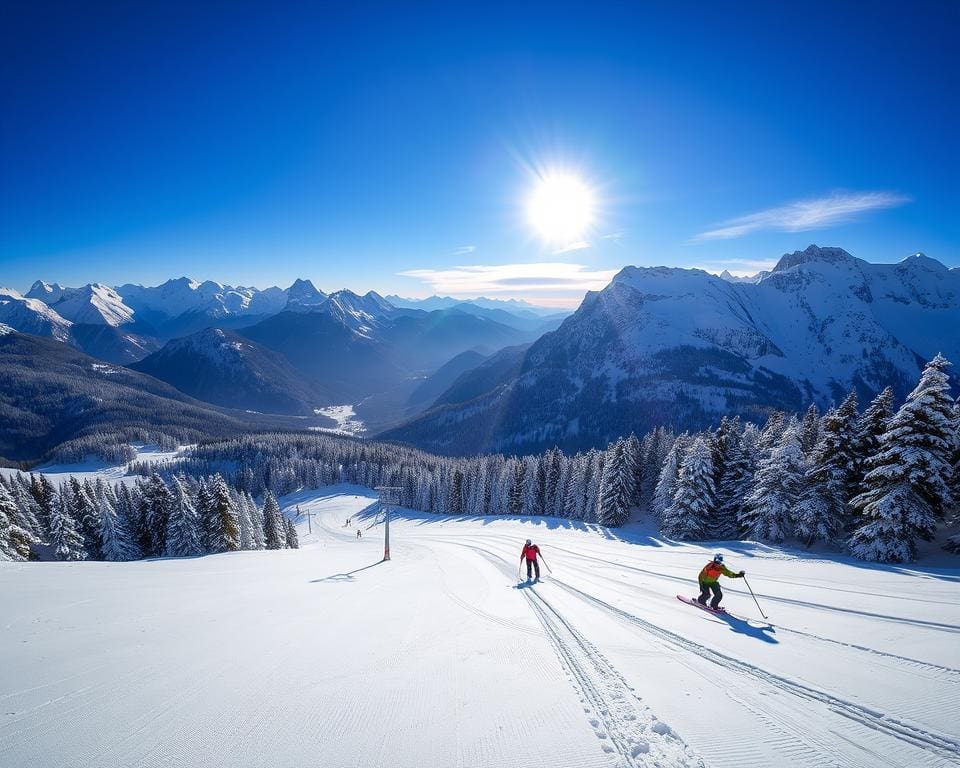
x=710 y=581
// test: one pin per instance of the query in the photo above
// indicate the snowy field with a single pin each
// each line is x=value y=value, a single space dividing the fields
x=326 y=656
x=345 y=418
x=93 y=469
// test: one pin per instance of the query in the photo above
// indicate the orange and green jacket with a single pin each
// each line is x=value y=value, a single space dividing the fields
x=711 y=572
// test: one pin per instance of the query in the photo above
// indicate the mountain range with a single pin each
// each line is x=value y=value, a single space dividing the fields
x=683 y=347
x=658 y=345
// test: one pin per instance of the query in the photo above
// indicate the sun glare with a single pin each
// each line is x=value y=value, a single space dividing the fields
x=561 y=207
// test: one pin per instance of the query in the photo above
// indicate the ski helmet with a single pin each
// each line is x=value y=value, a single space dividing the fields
x=718 y=558
x=529 y=542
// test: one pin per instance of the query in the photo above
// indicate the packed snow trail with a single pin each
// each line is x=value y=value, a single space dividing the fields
x=328 y=656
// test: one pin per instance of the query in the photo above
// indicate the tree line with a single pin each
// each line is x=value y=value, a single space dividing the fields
x=874 y=483
x=180 y=516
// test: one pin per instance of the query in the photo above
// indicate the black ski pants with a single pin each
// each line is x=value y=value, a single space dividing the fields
x=706 y=589
x=533 y=565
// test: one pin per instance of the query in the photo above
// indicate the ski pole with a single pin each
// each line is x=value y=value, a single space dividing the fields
x=754 y=597
x=519 y=569
x=545 y=563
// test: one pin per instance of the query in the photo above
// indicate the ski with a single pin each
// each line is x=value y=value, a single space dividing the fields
x=692 y=601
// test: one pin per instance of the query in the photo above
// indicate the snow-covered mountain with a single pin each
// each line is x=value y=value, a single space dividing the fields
x=30 y=315
x=304 y=296
x=224 y=368
x=94 y=304
x=683 y=347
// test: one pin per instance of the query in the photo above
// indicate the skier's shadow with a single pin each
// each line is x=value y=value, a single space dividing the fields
x=743 y=627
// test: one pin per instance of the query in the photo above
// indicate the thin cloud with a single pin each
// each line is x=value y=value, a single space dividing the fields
x=481 y=279
x=463 y=250
x=614 y=236
x=804 y=215
x=579 y=245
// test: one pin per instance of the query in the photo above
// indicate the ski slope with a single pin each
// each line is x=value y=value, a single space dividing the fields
x=326 y=656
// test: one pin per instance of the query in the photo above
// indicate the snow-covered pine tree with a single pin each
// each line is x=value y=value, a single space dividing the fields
x=14 y=540
x=28 y=510
x=633 y=451
x=243 y=520
x=821 y=513
x=613 y=506
x=907 y=482
x=772 y=431
x=87 y=516
x=273 y=527
x=224 y=517
x=116 y=541
x=733 y=482
x=183 y=534
x=768 y=512
x=870 y=428
x=455 y=502
x=691 y=512
x=953 y=541
x=65 y=538
x=667 y=482
x=157 y=502
x=810 y=429
x=517 y=487
x=591 y=496
x=292 y=541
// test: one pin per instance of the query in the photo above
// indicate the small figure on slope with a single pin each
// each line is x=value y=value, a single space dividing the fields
x=710 y=581
x=359 y=533
x=529 y=553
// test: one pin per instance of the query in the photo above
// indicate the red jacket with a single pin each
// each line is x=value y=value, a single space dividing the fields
x=531 y=552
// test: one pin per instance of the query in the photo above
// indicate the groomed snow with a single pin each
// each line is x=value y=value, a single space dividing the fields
x=326 y=656
x=347 y=422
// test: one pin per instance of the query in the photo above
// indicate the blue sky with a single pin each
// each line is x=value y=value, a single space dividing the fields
x=351 y=145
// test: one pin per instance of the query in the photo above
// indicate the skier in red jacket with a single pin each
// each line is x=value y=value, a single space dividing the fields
x=529 y=553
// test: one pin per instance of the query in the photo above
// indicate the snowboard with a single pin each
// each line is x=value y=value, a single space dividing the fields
x=692 y=601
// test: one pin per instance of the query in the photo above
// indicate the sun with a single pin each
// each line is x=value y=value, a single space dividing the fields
x=561 y=207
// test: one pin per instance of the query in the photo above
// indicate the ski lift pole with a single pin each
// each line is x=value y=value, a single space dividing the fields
x=754 y=597
x=386 y=497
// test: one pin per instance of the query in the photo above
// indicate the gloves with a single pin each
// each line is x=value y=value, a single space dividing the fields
x=741 y=574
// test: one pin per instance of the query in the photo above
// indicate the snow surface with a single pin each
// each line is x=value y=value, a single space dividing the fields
x=94 y=468
x=346 y=419
x=326 y=656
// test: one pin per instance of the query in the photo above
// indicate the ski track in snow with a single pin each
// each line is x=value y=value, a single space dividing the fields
x=795 y=739
x=440 y=658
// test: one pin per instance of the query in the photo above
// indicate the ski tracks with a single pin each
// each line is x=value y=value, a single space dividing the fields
x=944 y=746
x=625 y=726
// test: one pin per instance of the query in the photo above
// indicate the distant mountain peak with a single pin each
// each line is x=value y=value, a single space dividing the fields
x=304 y=294
x=813 y=253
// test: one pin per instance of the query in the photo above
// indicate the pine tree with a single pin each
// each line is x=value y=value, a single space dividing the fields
x=183 y=534
x=292 y=540
x=669 y=472
x=87 y=516
x=907 y=483
x=64 y=536
x=15 y=541
x=116 y=541
x=810 y=430
x=821 y=513
x=243 y=520
x=767 y=514
x=256 y=524
x=734 y=482
x=693 y=506
x=870 y=428
x=614 y=502
x=455 y=501
x=224 y=525
x=276 y=536
x=157 y=502
x=517 y=487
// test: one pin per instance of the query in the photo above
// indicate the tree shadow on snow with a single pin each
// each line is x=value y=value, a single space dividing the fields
x=348 y=576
